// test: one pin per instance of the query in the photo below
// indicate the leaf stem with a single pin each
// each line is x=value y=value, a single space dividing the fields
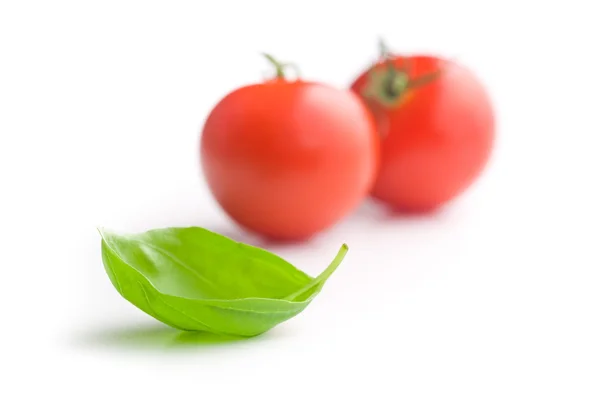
x=323 y=276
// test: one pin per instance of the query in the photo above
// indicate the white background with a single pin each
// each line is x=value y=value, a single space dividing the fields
x=496 y=297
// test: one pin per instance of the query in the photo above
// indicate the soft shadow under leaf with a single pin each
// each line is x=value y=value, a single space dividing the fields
x=154 y=337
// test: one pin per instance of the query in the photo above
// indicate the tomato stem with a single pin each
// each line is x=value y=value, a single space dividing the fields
x=280 y=66
x=384 y=50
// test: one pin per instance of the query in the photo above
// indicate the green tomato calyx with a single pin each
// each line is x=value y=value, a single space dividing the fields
x=387 y=84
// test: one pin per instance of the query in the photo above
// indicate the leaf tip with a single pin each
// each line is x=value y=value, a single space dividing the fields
x=100 y=230
x=104 y=232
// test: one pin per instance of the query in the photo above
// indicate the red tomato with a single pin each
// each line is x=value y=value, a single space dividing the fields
x=288 y=159
x=436 y=124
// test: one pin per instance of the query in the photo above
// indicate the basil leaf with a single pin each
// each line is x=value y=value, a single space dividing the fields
x=197 y=280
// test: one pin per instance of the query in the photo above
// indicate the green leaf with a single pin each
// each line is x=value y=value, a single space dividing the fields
x=197 y=280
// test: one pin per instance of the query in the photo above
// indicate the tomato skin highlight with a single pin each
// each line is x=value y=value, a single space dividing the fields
x=436 y=141
x=289 y=159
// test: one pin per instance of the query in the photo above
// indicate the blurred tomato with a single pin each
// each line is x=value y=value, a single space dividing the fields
x=436 y=124
x=289 y=158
